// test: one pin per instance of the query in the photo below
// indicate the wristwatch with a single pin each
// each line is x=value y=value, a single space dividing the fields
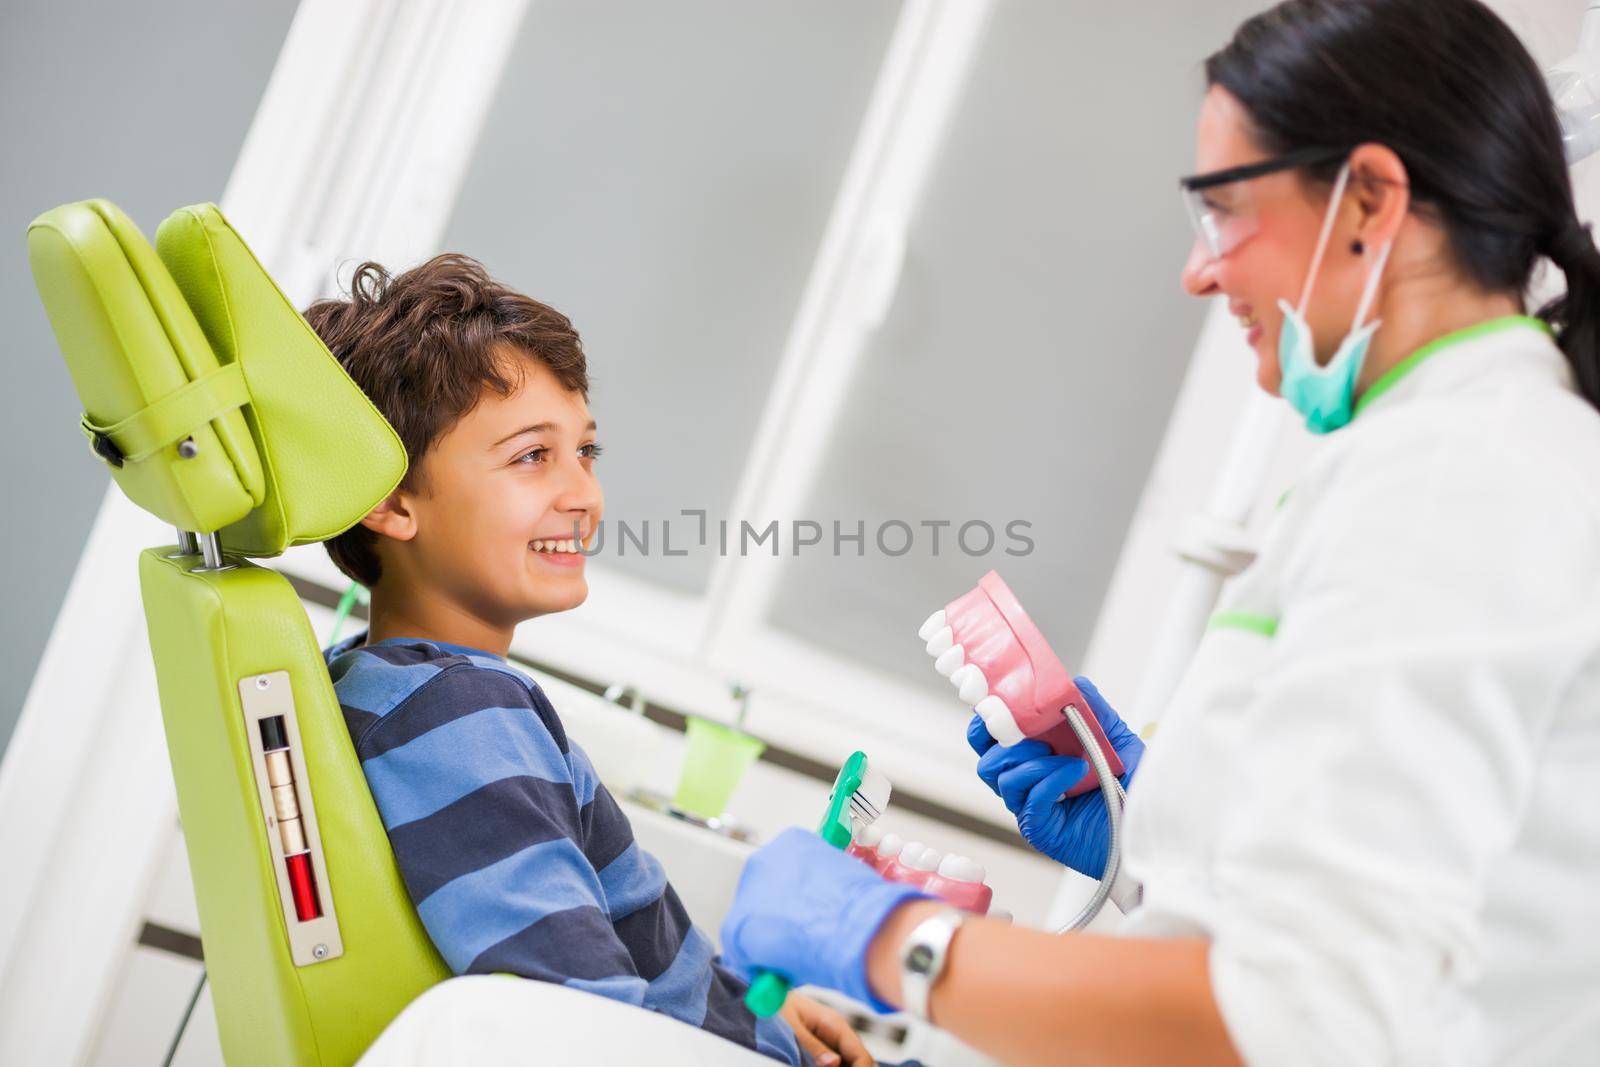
x=922 y=958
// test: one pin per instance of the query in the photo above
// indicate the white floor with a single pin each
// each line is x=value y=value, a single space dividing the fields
x=156 y=986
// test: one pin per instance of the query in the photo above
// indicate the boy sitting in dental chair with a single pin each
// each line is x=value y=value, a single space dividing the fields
x=516 y=856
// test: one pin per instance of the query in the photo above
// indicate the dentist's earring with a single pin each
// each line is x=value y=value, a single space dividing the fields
x=1357 y=247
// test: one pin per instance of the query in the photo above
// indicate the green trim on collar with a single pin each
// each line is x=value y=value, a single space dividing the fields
x=1265 y=625
x=1468 y=333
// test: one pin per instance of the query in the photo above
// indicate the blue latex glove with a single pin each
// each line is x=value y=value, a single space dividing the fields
x=808 y=911
x=1030 y=779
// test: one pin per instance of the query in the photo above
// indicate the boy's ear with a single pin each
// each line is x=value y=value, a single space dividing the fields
x=392 y=518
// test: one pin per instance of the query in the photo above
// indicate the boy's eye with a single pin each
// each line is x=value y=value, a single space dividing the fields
x=537 y=455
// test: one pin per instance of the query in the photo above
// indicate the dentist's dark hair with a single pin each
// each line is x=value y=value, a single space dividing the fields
x=1451 y=90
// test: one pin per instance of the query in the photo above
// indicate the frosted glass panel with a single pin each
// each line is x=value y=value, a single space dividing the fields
x=662 y=172
x=1038 y=338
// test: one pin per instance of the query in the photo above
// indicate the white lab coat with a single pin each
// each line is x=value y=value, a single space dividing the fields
x=1385 y=815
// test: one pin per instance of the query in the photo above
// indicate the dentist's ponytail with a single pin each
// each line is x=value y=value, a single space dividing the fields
x=1575 y=315
x=1451 y=90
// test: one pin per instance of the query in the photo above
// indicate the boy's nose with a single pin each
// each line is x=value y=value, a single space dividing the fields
x=581 y=493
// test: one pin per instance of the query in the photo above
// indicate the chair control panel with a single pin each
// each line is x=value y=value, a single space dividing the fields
x=304 y=891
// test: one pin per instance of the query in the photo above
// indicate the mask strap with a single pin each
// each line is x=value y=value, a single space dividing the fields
x=1371 y=288
x=1322 y=238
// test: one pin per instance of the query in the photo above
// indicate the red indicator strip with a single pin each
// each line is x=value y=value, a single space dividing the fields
x=304 y=886
x=297 y=858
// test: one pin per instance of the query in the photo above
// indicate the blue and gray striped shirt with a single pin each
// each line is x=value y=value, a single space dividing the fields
x=517 y=857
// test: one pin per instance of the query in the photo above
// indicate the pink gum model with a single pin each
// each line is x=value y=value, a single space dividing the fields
x=1006 y=671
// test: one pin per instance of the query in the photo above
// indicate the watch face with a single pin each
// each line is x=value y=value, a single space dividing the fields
x=920 y=958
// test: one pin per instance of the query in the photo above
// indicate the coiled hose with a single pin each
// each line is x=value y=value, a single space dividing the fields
x=1111 y=789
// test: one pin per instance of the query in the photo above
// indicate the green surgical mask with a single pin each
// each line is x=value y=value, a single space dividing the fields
x=1324 y=395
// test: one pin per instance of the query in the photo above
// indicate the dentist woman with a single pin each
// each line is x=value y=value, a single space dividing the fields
x=1369 y=829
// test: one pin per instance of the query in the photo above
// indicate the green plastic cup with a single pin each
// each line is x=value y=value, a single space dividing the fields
x=715 y=758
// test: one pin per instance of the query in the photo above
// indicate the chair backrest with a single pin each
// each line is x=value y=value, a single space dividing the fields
x=219 y=410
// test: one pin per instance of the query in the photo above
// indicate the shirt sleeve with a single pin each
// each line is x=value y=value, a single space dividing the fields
x=1392 y=746
x=476 y=787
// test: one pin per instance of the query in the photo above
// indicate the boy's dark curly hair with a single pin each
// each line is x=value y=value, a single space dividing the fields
x=423 y=345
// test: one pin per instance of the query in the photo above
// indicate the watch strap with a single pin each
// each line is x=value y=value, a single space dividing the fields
x=923 y=956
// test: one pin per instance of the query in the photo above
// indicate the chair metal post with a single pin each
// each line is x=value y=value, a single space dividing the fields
x=211 y=550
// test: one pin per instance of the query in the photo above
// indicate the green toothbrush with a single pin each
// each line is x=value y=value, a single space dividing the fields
x=860 y=794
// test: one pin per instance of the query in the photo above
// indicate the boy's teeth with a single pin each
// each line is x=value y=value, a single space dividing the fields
x=996 y=715
x=565 y=545
x=941 y=642
x=953 y=657
x=935 y=623
x=971 y=684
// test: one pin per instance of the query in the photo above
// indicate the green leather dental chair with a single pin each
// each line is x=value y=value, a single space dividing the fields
x=218 y=410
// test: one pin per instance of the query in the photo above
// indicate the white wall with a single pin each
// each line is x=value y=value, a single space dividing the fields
x=145 y=105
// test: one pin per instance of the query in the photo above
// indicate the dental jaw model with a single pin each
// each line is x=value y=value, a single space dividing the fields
x=924 y=866
x=888 y=849
x=864 y=845
x=897 y=867
x=960 y=881
x=957 y=879
x=1004 y=669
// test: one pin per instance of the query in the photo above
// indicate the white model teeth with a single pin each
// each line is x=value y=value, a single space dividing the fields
x=961 y=869
x=971 y=684
x=996 y=715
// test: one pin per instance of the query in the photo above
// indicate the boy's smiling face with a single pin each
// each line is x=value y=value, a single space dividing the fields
x=459 y=556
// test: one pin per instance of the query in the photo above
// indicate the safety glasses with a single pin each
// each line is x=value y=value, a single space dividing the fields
x=1220 y=204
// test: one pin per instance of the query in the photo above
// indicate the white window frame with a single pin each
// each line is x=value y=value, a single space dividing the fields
x=685 y=651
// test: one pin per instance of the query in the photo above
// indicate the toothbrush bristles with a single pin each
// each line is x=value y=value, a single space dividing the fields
x=871 y=798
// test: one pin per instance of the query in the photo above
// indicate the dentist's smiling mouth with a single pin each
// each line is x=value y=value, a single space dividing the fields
x=1249 y=322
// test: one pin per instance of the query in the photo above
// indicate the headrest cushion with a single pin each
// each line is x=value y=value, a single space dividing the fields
x=214 y=403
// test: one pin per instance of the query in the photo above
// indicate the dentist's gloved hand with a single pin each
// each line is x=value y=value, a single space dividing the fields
x=1031 y=779
x=809 y=912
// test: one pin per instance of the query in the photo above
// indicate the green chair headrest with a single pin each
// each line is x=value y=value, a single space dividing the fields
x=215 y=404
